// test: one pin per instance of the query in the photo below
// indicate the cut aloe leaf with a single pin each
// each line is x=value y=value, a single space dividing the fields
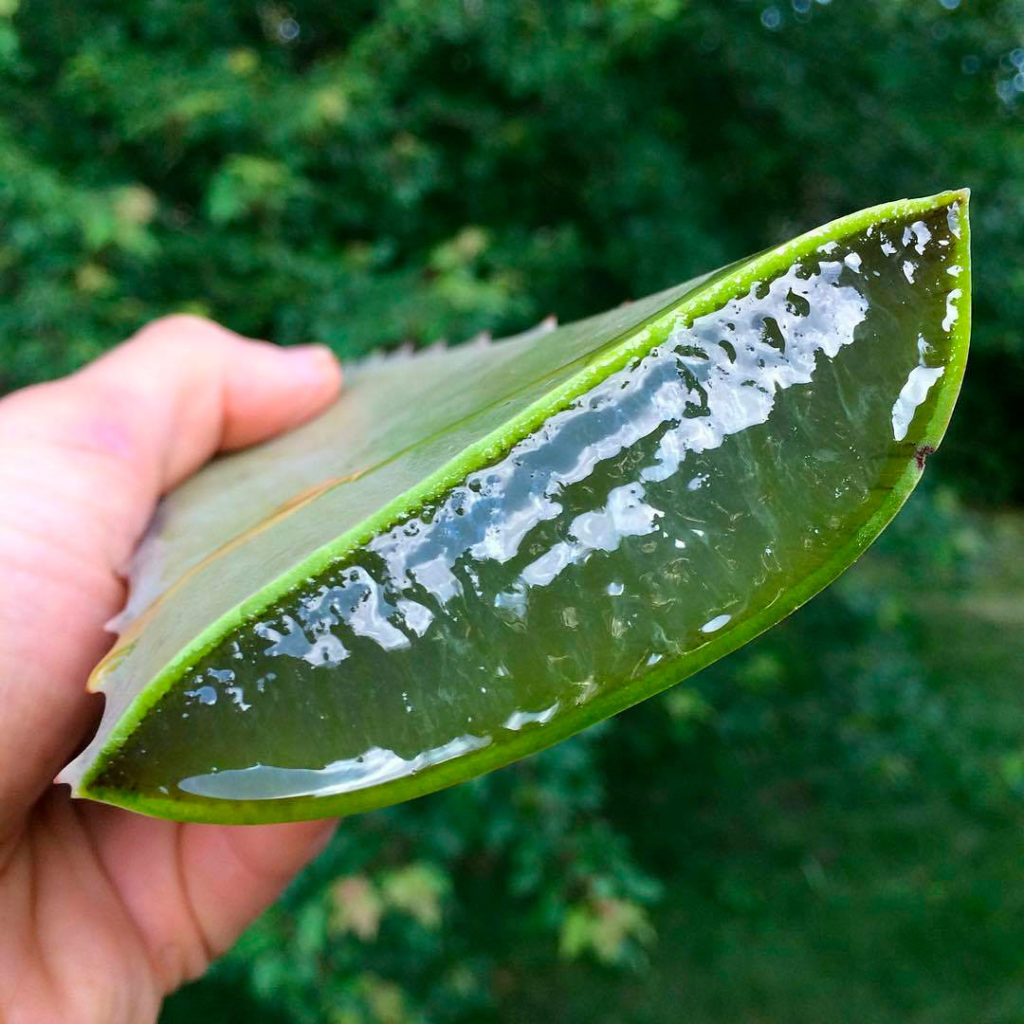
x=480 y=551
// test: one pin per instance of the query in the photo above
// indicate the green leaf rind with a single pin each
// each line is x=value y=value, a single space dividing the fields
x=710 y=295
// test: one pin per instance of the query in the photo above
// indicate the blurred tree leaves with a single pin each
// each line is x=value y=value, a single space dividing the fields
x=310 y=167
x=816 y=828
x=250 y=186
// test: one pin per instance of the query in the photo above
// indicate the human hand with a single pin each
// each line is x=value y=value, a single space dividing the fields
x=103 y=912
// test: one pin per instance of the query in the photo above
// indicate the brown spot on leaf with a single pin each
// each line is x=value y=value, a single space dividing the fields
x=921 y=455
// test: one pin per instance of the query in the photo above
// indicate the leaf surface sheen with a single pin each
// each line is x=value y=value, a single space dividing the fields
x=479 y=551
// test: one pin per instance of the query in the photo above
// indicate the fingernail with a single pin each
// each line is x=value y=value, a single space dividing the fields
x=314 y=363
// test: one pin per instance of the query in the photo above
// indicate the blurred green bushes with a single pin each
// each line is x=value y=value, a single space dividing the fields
x=370 y=173
x=827 y=825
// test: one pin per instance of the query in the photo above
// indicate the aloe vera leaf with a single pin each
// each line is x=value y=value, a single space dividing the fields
x=480 y=551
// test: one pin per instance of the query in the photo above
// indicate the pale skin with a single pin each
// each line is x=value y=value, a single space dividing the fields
x=103 y=912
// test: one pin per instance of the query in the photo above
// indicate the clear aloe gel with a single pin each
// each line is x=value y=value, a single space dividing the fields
x=669 y=512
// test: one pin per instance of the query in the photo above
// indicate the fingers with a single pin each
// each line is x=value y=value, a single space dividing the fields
x=192 y=889
x=233 y=872
x=82 y=463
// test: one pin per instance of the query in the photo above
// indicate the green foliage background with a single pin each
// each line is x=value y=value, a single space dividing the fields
x=827 y=825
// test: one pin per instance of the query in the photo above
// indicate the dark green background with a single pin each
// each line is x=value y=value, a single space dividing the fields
x=829 y=824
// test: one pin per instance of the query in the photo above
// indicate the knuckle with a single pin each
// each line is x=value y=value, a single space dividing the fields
x=182 y=327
